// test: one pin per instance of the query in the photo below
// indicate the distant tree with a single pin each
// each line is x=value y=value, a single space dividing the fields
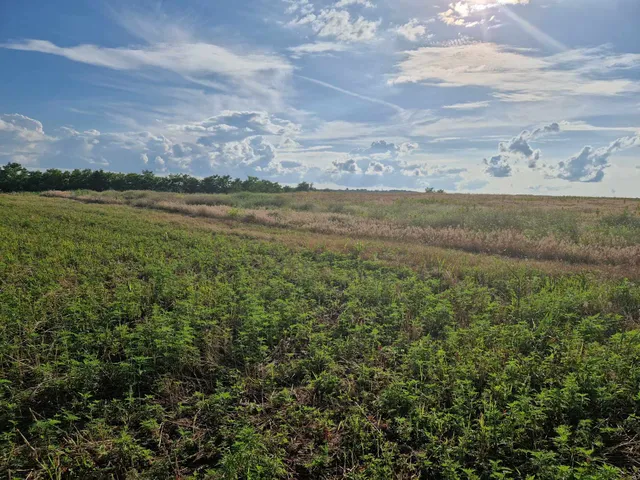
x=304 y=187
x=13 y=178
x=98 y=181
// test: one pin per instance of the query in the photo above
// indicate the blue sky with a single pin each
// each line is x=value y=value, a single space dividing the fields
x=492 y=96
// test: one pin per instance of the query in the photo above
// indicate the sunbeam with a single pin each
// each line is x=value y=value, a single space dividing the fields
x=535 y=32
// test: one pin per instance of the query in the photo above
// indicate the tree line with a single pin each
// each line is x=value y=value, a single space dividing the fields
x=16 y=178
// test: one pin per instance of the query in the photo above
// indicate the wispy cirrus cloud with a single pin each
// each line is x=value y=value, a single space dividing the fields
x=467 y=106
x=192 y=58
x=516 y=74
x=317 y=48
x=251 y=73
x=346 y=3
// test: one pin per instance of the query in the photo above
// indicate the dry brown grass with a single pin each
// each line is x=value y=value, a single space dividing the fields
x=504 y=242
x=577 y=204
x=447 y=262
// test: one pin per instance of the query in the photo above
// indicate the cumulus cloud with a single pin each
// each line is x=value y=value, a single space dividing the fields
x=590 y=164
x=517 y=149
x=544 y=130
x=379 y=158
x=385 y=164
x=253 y=152
x=497 y=166
x=339 y=24
x=384 y=150
x=412 y=30
x=348 y=166
x=233 y=125
x=289 y=144
x=361 y=171
x=22 y=139
x=236 y=143
x=377 y=168
x=519 y=75
x=25 y=127
x=240 y=143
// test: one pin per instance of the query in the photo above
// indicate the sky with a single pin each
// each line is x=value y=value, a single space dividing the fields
x=472 y=96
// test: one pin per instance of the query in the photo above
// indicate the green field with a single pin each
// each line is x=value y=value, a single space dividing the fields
x=318 y=335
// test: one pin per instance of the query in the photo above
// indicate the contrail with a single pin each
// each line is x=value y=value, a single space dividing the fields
x=535 y=32
x=353 y=94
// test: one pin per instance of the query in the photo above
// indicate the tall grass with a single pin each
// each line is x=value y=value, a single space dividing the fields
x=542 y=235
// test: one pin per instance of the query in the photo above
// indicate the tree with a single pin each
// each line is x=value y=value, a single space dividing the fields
x=304 y=187
x=98 y=181
x=13 y=178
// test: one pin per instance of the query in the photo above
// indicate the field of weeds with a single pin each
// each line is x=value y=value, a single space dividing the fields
x=318 y=335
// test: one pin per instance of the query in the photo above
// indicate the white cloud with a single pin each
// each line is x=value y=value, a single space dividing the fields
x=347 y=166
x=289 y=144
x=254 y=152
x=384 y=150
x=190 y=58
x=516 y=149
x=22 y=139
x=339 y=24
x=513 y=72
x=346 y=3
x=361 y=172
x=238 y=142
x=253 y=73
x=24 y=127
x=380 y=158
x=377 y=168
x=590 y=164
x=230 y=126
x=497 y=166
x=467 y=106
x=317 y=48
x=302 y=7
x=234 y=143
x=412 y=30
x=581 y=126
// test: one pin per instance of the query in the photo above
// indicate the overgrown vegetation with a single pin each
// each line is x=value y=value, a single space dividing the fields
x=16 y=178
x=132 y=346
